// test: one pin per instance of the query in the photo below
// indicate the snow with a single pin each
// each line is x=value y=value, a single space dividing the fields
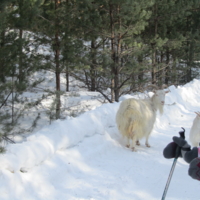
x=84 y=158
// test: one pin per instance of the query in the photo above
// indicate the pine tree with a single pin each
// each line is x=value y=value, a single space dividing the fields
x=18 y=62
x=55 y=30
x=166 y=37
x=49 y=33
x=5 y=70
x=191 y=57
x=113 y=28
x=72 y=43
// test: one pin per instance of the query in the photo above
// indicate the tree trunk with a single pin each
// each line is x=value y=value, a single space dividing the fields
x=21 y=75
x=174 y=73
x=153 y=72
x=2 y=44
x=21 y=71
x=190 y=62
x=92 y=67
x=141 y=73
x=57 y=55
x=115 y=55
x=112 y=54
x=67 y=79
x=167 y=68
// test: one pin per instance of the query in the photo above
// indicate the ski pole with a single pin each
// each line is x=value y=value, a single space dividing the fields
x=178 y=150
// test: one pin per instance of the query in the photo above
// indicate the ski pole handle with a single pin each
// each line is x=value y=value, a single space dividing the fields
x=182 y=133
x=178 y=149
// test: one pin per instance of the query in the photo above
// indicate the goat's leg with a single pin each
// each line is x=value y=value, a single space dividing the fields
x=133 y=144
x=138 y=142
x=147 y=141
x=127 y=142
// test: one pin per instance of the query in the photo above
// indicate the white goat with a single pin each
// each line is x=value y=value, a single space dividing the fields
x=136 y=117
x=194 y=135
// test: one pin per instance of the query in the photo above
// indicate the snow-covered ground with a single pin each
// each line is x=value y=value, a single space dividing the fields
x=84 y=158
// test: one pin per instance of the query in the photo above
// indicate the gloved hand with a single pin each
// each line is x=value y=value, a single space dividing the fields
x=194 y=169
x=181 y=143
x=186 y=152
x=170 y=150
x=190 y=156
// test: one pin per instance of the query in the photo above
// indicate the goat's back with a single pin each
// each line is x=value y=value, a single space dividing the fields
x=135 y=116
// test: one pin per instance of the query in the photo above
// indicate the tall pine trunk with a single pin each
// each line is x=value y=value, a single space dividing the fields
x=167 y=67
x=57 y=57
x=190 y=61
x=2 y=44
x=115 y=54
x=21 y=76
x=67 y=78
x=153 y=72
x=112 y=53
x=92 y=67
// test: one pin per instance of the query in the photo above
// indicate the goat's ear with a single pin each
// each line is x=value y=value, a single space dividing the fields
x=155 y=92
x=198 y=113
x=167 y=91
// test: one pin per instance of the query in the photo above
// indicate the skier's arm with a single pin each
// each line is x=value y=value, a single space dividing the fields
x=187 y=153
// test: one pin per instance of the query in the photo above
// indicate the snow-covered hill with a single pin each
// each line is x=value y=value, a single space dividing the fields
x=84 y=158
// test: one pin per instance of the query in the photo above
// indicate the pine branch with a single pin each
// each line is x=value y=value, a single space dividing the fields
x=5 y=100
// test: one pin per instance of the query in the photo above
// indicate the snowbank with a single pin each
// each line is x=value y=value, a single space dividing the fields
x=61 y=134
x=84 y=158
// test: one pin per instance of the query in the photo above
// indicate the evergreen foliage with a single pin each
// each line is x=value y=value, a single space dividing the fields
x=113 y=29
x=113 y=47
x=18 y=62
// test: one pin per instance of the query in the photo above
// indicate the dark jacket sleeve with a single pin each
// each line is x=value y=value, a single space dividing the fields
x=190 y=155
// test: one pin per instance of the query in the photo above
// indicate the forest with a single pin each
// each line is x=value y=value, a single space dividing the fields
x=113 y=47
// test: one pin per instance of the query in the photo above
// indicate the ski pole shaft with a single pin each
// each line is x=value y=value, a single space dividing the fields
x=169 y=178
x=178 y=149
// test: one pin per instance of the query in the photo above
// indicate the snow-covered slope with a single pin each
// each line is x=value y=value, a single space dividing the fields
x=84 y=158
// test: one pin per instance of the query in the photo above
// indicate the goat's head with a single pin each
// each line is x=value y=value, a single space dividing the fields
x=159 y=99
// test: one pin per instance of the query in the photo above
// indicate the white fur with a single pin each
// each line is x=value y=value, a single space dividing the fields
x=136 y=117
x=195 y=131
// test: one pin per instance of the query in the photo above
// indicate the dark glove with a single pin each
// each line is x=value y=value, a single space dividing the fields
x=186 y=152
x=190 y=156
x=194 y=169
x=181 y=143
x=173 y=149
x=170 y=150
